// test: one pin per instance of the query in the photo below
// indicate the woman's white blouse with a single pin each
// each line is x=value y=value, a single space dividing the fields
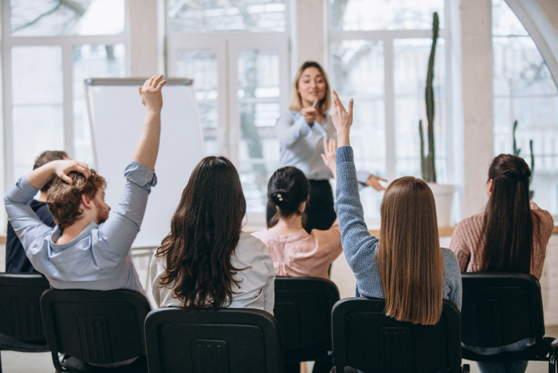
x=257 y=282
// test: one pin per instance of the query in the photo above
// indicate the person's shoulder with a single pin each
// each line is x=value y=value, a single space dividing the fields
x=473 y=222
x=450 y=259
x=249 y=242
x=35 y=205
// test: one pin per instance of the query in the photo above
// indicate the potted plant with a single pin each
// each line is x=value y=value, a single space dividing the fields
x=443 y=194
x=517 y=152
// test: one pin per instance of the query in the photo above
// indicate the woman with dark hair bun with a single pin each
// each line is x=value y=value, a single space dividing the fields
x=511 y=235
x=295 y=252
x=206 y=261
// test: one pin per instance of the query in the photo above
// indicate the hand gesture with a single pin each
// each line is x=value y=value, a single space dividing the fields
x=342 y=119
x=150 y=93
x=330 y=147
x=310 y=115
x=63 y=167
x=374 y=182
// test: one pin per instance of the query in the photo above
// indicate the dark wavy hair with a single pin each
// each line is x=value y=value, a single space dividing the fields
x=508 y=221
x=64 y=200
x=287 y=188
x=205 y=231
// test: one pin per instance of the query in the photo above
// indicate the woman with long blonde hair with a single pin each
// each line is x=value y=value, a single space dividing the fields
x=406 y=266
x=301 y=132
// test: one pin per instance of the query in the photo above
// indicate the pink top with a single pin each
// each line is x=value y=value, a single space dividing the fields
x=301 y=254
x=467 y=242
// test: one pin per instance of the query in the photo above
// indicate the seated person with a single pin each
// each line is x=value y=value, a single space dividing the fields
x=406 y=266
x=16 y=260
x=88 y=249
x=493 y=242
x=295 y=252
x=206 y=261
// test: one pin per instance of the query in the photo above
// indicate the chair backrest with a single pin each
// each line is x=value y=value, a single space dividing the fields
x=99 y=327
x=366 y=339
x=20 y=311
x=213 y=341
x=500 y=309
x=303 y=310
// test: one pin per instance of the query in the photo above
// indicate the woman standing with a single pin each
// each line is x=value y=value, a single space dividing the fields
x=510 y=236
x=301 y=133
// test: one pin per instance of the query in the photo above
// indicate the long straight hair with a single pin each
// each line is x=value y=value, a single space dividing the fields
x=409 y=256
x=508 y=222
x=205 y=231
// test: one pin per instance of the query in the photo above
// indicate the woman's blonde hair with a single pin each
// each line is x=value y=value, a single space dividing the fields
x=409 y=256
x=296 y=101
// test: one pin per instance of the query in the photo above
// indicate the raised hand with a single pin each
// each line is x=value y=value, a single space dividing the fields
x=374 y=182
x=342 y=119
x=150 y=93
x=330 y=147
x=63 y=167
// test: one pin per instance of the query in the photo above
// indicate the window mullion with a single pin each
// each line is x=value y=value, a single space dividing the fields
x=7 y=97
x=389 y=107
x=68 y=99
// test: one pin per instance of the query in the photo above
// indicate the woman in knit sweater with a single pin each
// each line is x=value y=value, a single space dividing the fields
x=510 y=236
x=407 y=267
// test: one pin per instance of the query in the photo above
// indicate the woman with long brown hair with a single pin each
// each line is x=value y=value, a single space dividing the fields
x=406 y=266
x=511 y=235
x=206 y=261
x=301 y=132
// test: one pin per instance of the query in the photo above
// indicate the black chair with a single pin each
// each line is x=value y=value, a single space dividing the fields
x=303 y=310
x=503 y=308
x=366 y=339
x=213 y=341
x=21 y=327
x=95 y=327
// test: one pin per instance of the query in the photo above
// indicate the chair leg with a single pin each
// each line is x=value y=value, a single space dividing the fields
x=552 y=357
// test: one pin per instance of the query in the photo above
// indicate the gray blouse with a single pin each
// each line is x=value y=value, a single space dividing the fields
x=301 y=146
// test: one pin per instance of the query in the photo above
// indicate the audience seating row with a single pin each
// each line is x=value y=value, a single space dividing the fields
x=104 y=327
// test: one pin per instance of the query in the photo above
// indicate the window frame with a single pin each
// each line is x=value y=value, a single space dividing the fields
x=66 y=43
x=227 y=47
x=387 y=37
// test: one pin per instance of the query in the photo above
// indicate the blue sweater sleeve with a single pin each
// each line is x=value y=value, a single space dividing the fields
x=360 y=247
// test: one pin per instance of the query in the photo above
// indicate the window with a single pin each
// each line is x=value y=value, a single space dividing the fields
x=49 y=48
x=241 y=80
x=378 y=55
x=524 y=91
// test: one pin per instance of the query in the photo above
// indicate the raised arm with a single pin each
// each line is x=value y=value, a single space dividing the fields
x=358 y=244
x=290 y=131
x=123 y=225
x=148 y=144
x=25 y=222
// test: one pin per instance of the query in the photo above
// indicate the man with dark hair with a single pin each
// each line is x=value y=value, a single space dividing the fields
x=88 y=249
x=16 y=260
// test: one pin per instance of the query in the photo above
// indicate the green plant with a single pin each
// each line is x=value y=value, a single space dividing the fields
x=517 y=152
x=428 y=161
